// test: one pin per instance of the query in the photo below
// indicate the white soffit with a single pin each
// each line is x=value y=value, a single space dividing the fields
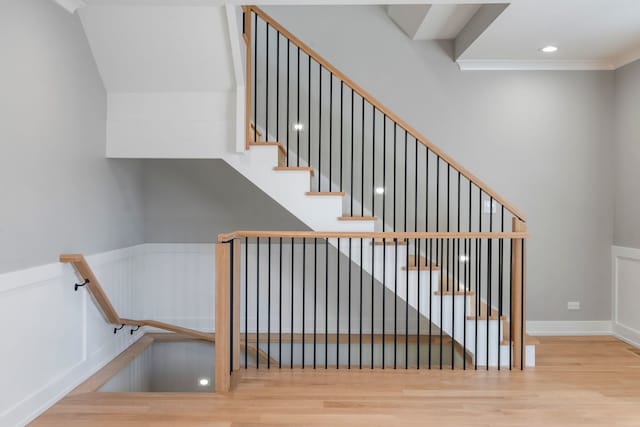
x=432 y=21
x=159 y=48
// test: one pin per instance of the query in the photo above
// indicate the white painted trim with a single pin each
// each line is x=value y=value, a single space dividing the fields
x=29 y=276
x=236 y=56
x=71 y=5
x=627 y=58
x=621 y=331
x=532 y=65
x=569 y=328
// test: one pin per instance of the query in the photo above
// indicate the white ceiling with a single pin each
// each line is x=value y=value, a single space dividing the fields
x=589 y=34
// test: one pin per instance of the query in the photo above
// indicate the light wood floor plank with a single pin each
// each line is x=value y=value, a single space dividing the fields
x=579 y=381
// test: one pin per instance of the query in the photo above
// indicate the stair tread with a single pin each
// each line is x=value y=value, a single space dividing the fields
x=422 y=267
x=280 y=146
x=468 y=293
x=484 y=317
x=295 y=168
x=389 y=242
x=325 y=193
x=356 y=218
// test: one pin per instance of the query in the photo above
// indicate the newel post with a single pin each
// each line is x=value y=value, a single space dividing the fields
x=518 y=296
x=223 y=317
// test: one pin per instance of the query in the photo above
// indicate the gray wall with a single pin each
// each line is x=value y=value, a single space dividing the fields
x=627 y=157
x=192 y=201
x=58 y=192
x=540 y=139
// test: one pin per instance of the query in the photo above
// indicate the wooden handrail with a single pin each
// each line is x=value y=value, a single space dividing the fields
x=225 y=237
x=364 y=94
x=110 y=314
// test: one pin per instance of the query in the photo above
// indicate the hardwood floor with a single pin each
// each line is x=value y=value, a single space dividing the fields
x=579 y=381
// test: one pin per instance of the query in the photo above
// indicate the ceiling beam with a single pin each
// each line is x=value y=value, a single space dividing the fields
x=484 y=16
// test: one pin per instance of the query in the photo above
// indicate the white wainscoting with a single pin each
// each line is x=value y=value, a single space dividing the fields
x=54 y=338
x=626 y=293
x=176 y=284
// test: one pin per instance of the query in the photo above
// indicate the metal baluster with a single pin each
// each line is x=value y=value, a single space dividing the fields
x=292 y=296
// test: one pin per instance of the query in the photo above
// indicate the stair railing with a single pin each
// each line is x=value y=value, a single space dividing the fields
x=356 y=145
x=356 y=300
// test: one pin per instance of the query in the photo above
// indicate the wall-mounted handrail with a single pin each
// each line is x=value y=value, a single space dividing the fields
x=377 y=105
x=110 y=314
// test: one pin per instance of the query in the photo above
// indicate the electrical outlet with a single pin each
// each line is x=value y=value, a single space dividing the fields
x=573 y=305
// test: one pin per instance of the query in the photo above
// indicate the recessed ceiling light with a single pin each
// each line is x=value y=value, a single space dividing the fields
x=203 y=382
x=380 y=190
x=298 y=126
x=549 y=49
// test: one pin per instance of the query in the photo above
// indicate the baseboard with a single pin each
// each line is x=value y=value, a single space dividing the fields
x=567 y=328
x=626 y=334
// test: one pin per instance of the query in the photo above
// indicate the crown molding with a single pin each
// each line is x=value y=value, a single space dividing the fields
x=533 y=65
x=70 y=5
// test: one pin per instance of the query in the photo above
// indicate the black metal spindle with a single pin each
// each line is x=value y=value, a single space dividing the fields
x=454 y=288
x=405 y=183
x=278 y=86
x=341 y=129
x=426 y=190
x=292 y=297
x=360 y=312
x=257 y=300
x=384 y=178
x=280 y=306
x=415 y=195
x=326 y=303
x=395 y=305
x=522 y=334
x=246 y=302
x=479 y=298
x=319 y=131
x=430 y=295
x=417 y=243
x=298 y=112
x=441 y=244
x=373 y=266
x=330 y=132
x=362 y=165
x=500 y=284
x=266 y=89
x=304 y=277
x=231 y=303
x=338 y=305
x=395 y=167
x=406 y=310
x=373 y=166
x=288 y=99
x=349 y=312
x=384 y=288
x=255 y=78
x=315 y=298
x=352 y=146
x=489 y=276
x=269 y=303
x=511 y=341
x=309 y=112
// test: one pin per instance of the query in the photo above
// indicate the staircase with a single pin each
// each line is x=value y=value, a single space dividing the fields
x=437 y=283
